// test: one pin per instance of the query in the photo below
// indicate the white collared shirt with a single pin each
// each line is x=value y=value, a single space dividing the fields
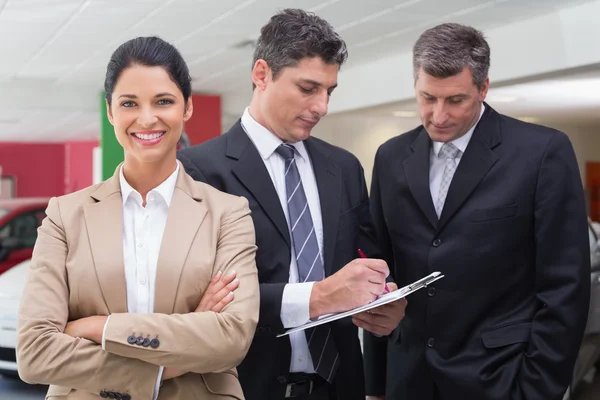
x=295 y=305
x=143 y=229
x=437 y=165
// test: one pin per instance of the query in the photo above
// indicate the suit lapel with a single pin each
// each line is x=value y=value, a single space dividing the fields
x=329 y=183
x=186 y=213
x=416 y=170
x=104 y=223
x=474 y=164
x=250 y=170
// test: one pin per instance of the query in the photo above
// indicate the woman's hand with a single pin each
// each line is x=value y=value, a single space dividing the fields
x=90 y=328
x=219 y=292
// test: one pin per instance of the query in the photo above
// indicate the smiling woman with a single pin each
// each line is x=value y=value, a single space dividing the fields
x=131 y=286
x=148 y=100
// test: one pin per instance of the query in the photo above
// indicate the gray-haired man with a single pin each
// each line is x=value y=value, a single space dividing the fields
x=497 y=206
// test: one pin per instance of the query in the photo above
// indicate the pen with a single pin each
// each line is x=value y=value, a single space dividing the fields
x=363 y=255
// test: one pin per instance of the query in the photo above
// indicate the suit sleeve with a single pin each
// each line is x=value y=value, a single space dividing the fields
x=202 y=342
x=562 y=276
x=375 y=348
x=46 y=355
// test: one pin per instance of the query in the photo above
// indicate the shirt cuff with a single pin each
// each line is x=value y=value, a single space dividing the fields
x=158 y=382
x=104 y=331
x=295 y=304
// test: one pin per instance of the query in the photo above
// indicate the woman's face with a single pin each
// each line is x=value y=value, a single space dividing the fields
x=148 y=112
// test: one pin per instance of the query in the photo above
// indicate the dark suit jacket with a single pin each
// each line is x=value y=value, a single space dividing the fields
x=507 y=320
x=232 y=164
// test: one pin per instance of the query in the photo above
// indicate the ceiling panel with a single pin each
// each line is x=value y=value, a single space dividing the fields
x=360 y=12
x=219 y=63
x=93 y=30
x=433 y=9
x=24 y=29
x=255 y=16
x=58 y=50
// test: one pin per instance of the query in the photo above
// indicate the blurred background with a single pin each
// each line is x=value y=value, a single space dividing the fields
x=55 y=138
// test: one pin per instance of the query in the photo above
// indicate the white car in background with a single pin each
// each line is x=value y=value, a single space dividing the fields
x=11 y=285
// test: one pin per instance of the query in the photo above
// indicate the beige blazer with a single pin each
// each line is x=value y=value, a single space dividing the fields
x=77 y=271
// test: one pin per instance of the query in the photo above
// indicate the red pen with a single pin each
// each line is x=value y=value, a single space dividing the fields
x=363 y=255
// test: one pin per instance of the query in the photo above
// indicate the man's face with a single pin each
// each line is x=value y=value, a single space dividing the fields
x=294 y=102
x=449 y=107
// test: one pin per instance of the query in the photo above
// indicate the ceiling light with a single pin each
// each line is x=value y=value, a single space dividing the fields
x=501 y=99
x=405 y=114
x=532 y=120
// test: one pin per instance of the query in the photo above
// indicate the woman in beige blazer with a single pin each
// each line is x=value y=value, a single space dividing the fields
x=114 y=304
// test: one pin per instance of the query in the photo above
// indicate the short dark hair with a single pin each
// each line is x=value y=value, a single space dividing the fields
x=292 y=35
x=151 y=52
x=445 y=50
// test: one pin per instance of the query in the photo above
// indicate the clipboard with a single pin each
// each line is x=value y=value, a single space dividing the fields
x=384 y=299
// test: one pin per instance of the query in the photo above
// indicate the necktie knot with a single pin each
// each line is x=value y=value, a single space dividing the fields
x=449 y=151
x=286 y=151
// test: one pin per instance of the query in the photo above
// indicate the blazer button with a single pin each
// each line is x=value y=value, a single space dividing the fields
x=139 y=341
x=431 y=291
x=104 y=395
x=431 y=342
x=131 y=339
x=146 y=342
x=281 y=379
x=437 y=242
x=154 y=343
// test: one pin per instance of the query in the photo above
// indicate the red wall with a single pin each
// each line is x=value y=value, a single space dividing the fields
x=206 y=120
x=38 y=168
x=47 y=169
x=78 y=165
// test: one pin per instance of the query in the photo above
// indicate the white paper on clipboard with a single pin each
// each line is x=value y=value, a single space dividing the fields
x=385 y=299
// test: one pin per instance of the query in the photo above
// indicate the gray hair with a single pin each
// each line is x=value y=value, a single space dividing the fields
x=445 y=50
x=292 y=35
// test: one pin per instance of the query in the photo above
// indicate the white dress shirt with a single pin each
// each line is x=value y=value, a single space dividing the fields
x=295 y=305
x=143 y=229
x=437 y=165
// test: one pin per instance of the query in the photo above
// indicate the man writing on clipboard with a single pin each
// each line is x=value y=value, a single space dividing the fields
x=310 y=210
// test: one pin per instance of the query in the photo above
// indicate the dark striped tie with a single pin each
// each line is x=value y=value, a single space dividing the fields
x=308 y=257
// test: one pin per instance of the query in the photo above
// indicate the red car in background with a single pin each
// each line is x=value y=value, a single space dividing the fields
x=19 y=221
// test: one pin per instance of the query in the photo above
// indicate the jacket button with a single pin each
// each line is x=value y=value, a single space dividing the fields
x=146 y=342
x=140 y=341
x=431 y=291
x=104 y=395
x=154 y=343
x=126 y=397
x=431 y=342
x=111 y=395
x=131 y=339
x=437 y=242
x=118 y=396
x=281 y=379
